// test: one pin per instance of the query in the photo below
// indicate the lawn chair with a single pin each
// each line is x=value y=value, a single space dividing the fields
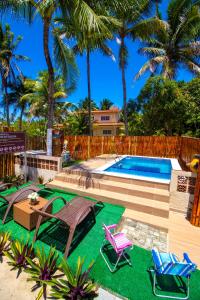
x=19 y=195
x=119 y=243
x=169 y=264
x=72 y=214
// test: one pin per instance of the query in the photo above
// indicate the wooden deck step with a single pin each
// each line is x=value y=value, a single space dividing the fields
x=152 y=220
x=118 y=187
x=149 y=206
x=91 y=174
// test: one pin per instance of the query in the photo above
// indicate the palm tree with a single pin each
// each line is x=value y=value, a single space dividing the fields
x=86 y=19
x=172 y=43
x=106 y=104
x=20 y=92
x=83 y=104
x=8 y=62
x=87 y=41
x=39 y=97
x=130 y=13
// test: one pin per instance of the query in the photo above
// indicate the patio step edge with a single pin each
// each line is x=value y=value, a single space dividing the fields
x=119 y=187
x=153 y=221
x=149 y=206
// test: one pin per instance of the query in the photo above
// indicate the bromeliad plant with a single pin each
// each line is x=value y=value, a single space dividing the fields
x=18 y=254
x=4 y=243
x=76 y=285
x=44 y=270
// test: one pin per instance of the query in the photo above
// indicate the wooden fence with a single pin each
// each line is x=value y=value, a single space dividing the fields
x=7 y=161
x=85 y=147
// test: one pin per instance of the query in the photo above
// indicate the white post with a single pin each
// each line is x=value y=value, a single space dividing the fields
x=49 y=141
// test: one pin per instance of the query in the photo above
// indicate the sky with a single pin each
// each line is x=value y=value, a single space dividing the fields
x=105 y=74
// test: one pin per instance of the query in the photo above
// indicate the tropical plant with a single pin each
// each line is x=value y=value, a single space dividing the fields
x=20 y=94
x=172 y=43
x=4 y=243
x=8 y=62
x=87 y=19
x=106 y=104
x=163 y=107
x=18 y=254
x=77 y=123
x=88 y=40
x=39 y=98
x=130 y=13
x=43 y=270
x=76 y=285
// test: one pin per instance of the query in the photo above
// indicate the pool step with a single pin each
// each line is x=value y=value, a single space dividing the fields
x=140 y=204
x=149 y=192
x=91 y=174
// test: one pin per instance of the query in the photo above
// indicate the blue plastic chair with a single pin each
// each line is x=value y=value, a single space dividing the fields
x=169 y=264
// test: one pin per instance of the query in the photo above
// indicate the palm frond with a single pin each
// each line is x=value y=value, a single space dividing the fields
x=65 y=60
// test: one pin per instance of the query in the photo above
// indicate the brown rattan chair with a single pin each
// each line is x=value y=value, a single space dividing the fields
x=71 y=214
x=4 y=186
x=19 y=195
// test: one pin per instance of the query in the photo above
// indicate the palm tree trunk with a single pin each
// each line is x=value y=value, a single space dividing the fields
x=124 y=89
x=20 y=118
x=4 y=82
x=50 y=114
x=89 y=91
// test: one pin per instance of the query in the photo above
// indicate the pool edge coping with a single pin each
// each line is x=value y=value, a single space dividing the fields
x=101 y=170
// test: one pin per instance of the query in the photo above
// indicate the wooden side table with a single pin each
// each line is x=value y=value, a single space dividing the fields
x=25 y=216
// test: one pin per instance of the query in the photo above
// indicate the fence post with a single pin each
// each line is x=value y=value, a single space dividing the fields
x=88 y=147
x=129 y=145
x=102 y=144
x=195 y=215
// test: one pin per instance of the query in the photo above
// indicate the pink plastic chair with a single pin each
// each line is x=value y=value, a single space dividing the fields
x=120 y=244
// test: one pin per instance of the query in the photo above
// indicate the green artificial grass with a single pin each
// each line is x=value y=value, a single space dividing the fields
x=87 y=240
x=135 y=283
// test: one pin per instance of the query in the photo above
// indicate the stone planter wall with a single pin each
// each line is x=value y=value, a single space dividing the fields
x=182 y=191
x=39 y=165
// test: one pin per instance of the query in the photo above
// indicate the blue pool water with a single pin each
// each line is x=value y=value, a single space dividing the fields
x=143 y=166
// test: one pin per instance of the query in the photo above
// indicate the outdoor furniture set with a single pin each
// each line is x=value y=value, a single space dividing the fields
x=72 y=214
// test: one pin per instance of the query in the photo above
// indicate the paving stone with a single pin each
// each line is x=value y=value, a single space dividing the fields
x=144 y=235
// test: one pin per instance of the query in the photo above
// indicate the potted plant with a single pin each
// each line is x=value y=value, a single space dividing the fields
x=33 y=198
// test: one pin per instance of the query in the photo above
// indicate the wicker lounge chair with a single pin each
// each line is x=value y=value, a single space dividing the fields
x=19 y=195
x=4 y=186
x=71 y=214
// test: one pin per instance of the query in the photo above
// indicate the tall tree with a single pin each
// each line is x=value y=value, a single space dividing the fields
x=20 y=94
x=39 y=97
x=88 y=40
x=106 y=104
x=9 y=60
x=163 y=105
x=172 y=43
x=86 y=20
x=130 y=13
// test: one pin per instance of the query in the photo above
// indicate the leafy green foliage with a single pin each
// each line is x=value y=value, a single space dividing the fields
x=4 y=243
x=163 y=107
x=18 y=254
x=106 y=104
x=43 y=270
x=15 y=180
x=76 y=285
x=172 y=43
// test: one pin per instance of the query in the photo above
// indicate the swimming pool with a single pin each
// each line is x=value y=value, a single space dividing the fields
x=143 y=166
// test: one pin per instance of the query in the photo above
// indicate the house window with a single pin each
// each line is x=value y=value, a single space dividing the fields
x=105 y=118
x=107 y=132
